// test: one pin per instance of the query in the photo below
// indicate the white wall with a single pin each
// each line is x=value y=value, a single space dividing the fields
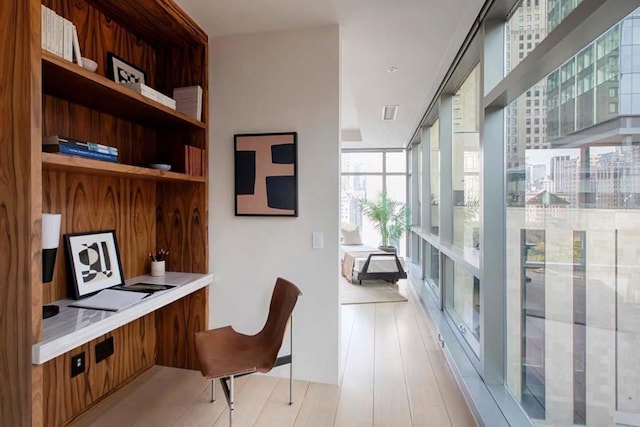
x=276 y=82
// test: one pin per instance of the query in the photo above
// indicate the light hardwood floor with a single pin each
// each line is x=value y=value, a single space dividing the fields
x=393 y=373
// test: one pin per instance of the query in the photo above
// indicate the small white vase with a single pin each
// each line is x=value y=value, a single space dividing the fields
x=157 y=268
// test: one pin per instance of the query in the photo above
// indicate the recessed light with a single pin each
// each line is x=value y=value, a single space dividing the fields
x=392 y=69
x=389 y=113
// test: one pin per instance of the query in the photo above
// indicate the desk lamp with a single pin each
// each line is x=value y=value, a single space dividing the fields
x=50 y=242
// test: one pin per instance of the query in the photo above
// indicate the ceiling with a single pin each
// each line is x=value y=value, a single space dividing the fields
x=418 y=37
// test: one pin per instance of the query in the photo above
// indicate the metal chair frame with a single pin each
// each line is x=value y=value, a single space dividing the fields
x=227 y=383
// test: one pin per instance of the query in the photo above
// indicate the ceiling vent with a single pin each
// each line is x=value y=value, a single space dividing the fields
x=389 y=112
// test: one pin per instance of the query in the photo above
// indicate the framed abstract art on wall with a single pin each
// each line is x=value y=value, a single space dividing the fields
x=266 y=174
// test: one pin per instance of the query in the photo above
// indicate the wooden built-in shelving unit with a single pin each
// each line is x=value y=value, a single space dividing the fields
x=149 y=209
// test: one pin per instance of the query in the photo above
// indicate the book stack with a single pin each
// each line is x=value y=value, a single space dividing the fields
x=150 y=93
x=194 y=161
x=76 y=147
x=59 y=36
x=189 y=101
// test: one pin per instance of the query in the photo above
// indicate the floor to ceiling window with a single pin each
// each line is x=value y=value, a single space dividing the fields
x=578 y=189
x=463 y=303
x=544 y=152
x=465 y=166
x=365 y=174
x=434 y=174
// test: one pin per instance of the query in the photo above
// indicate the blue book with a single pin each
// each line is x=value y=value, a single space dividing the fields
x=74 y=150
x=57 y=139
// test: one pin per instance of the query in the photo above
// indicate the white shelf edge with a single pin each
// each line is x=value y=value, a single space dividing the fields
x=43 y=351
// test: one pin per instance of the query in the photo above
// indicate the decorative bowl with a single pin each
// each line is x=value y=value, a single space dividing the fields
x=89 y=64
x=160 y=166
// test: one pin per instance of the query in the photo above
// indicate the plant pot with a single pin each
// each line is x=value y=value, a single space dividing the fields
x=157 y=268
x=390 y=249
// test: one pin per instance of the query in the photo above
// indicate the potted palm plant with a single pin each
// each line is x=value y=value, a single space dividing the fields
x=389 y=217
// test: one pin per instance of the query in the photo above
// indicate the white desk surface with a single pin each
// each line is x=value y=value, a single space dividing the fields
x=73 y=327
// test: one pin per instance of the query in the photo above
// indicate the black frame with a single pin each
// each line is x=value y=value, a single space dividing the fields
x=75 y=289
x=392 y=276
x=295 y=172
x=111 y=58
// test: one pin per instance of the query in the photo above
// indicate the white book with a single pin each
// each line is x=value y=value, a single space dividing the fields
x=49 y=30
x=110 y=300
x=68 y=40
x=151 y=93
x=54 y=33
x=43 y=26
x=76 y=45
x=59 y=36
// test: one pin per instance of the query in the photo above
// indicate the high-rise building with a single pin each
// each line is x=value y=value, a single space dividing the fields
x=526 y=116
x=585 y=90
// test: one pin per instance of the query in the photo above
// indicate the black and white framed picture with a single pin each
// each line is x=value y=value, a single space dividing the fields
x=94 y=262
x=121 y=71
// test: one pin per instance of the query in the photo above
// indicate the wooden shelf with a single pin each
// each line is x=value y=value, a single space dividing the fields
x=160 y=22
x=67 y=80
x=52 y=161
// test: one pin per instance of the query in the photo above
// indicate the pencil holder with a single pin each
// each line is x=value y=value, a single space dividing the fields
x=157 y=268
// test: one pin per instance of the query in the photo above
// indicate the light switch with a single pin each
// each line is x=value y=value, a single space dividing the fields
x=317 y=240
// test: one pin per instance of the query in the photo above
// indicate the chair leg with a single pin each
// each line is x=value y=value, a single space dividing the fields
x=291 y=364
x=231 y=404
x=228 y=389
x=213 y=390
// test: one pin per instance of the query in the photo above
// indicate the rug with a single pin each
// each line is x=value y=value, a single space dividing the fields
x=372 y=291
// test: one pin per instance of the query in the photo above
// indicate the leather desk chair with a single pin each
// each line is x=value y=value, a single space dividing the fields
x=226 y=354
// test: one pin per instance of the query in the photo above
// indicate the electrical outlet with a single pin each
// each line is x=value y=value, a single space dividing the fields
x=77 y=364
x=104 y=349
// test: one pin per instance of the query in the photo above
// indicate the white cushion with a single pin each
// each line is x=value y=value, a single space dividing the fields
x=351 y=237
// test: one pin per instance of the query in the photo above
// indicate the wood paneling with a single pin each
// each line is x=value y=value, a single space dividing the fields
x=176 y=326
x=140 y=228
x=94 y=203
x=66 y=397
x=20 y=271
x=181 y=218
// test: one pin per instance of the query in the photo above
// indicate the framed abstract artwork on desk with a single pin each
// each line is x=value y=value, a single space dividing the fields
x=94 y=262
x=121 y=71
x=266 y=174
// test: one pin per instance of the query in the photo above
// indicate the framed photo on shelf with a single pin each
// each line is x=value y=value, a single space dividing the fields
x=94 y=262
x=266 y=174
x=121 y=71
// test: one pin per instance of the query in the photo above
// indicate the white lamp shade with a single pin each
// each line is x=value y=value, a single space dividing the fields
x=50 y=230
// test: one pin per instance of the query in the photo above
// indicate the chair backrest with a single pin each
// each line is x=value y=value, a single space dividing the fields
x=283 y=300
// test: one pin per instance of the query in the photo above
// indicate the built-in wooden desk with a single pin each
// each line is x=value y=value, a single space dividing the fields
x=73 y=327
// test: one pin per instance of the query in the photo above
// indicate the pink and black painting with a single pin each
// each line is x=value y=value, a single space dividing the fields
x=266 y=175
